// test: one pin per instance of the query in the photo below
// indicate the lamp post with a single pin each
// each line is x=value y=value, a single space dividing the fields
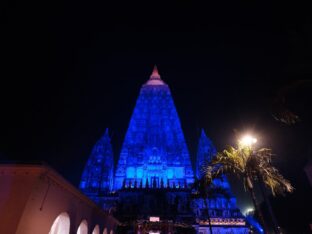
x=249 y=141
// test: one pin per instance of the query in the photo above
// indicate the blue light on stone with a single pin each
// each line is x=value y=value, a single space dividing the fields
x=154 y=155
x=169 y=173
x=179 y=172
x=256 y=225
x=223 y=203
x=97 y=176
x=205 y=153
x=154 y=141
x=130 y=172
x=139 y=173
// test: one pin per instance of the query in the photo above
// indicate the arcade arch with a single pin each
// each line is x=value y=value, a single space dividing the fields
x=96 y=230
x=61 y=224
x=83 y=227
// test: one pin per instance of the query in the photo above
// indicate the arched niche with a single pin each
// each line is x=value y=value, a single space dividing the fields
x=61 y=224
x=83 y=227
x=96 y=230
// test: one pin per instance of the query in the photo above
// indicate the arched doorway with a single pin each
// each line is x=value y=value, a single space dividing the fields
x=96 y=230
x=61 y=224
x=83 y=227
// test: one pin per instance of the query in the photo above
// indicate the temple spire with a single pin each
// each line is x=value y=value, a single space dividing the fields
x=203 y=134
x=155 y=78
x=155 y=73
x=154 y=139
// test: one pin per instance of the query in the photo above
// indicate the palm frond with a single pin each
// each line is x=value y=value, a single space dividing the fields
x=250 y=165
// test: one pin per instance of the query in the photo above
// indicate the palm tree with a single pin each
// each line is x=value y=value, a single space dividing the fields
x=250 y=165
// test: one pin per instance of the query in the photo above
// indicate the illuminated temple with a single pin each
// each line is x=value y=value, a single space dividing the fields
x=154 y=176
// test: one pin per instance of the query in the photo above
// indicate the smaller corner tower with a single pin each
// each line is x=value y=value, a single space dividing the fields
x=205 y=152
x=220 y=205
x=98 y=174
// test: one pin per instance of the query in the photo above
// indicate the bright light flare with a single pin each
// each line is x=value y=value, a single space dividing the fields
x=248 y=210
x=248 y=140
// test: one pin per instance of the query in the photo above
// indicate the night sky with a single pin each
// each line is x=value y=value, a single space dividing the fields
x=70 y=69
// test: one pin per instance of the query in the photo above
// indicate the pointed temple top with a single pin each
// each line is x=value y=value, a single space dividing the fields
x=203 y=134
x=155 y=74
x=155 y=78
x=205 y=152
x=204 y=139
x=99 y=170
x=105 y=136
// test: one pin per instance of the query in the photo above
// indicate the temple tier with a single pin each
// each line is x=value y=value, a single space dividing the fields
x=154 y=152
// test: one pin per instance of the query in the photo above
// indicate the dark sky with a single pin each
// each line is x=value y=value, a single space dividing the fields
x=72 y=68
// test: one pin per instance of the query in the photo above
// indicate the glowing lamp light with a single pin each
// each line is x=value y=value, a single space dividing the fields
x=154 y=219
x=248 y=210
x=248 y=140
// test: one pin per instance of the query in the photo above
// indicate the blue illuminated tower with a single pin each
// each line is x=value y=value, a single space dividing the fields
x=221 y=203
x=154 y=174
x=205 y=152
x=154 y=152
x=97 y=177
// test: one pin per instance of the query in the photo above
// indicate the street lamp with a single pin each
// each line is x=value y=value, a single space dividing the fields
x=247 y=141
